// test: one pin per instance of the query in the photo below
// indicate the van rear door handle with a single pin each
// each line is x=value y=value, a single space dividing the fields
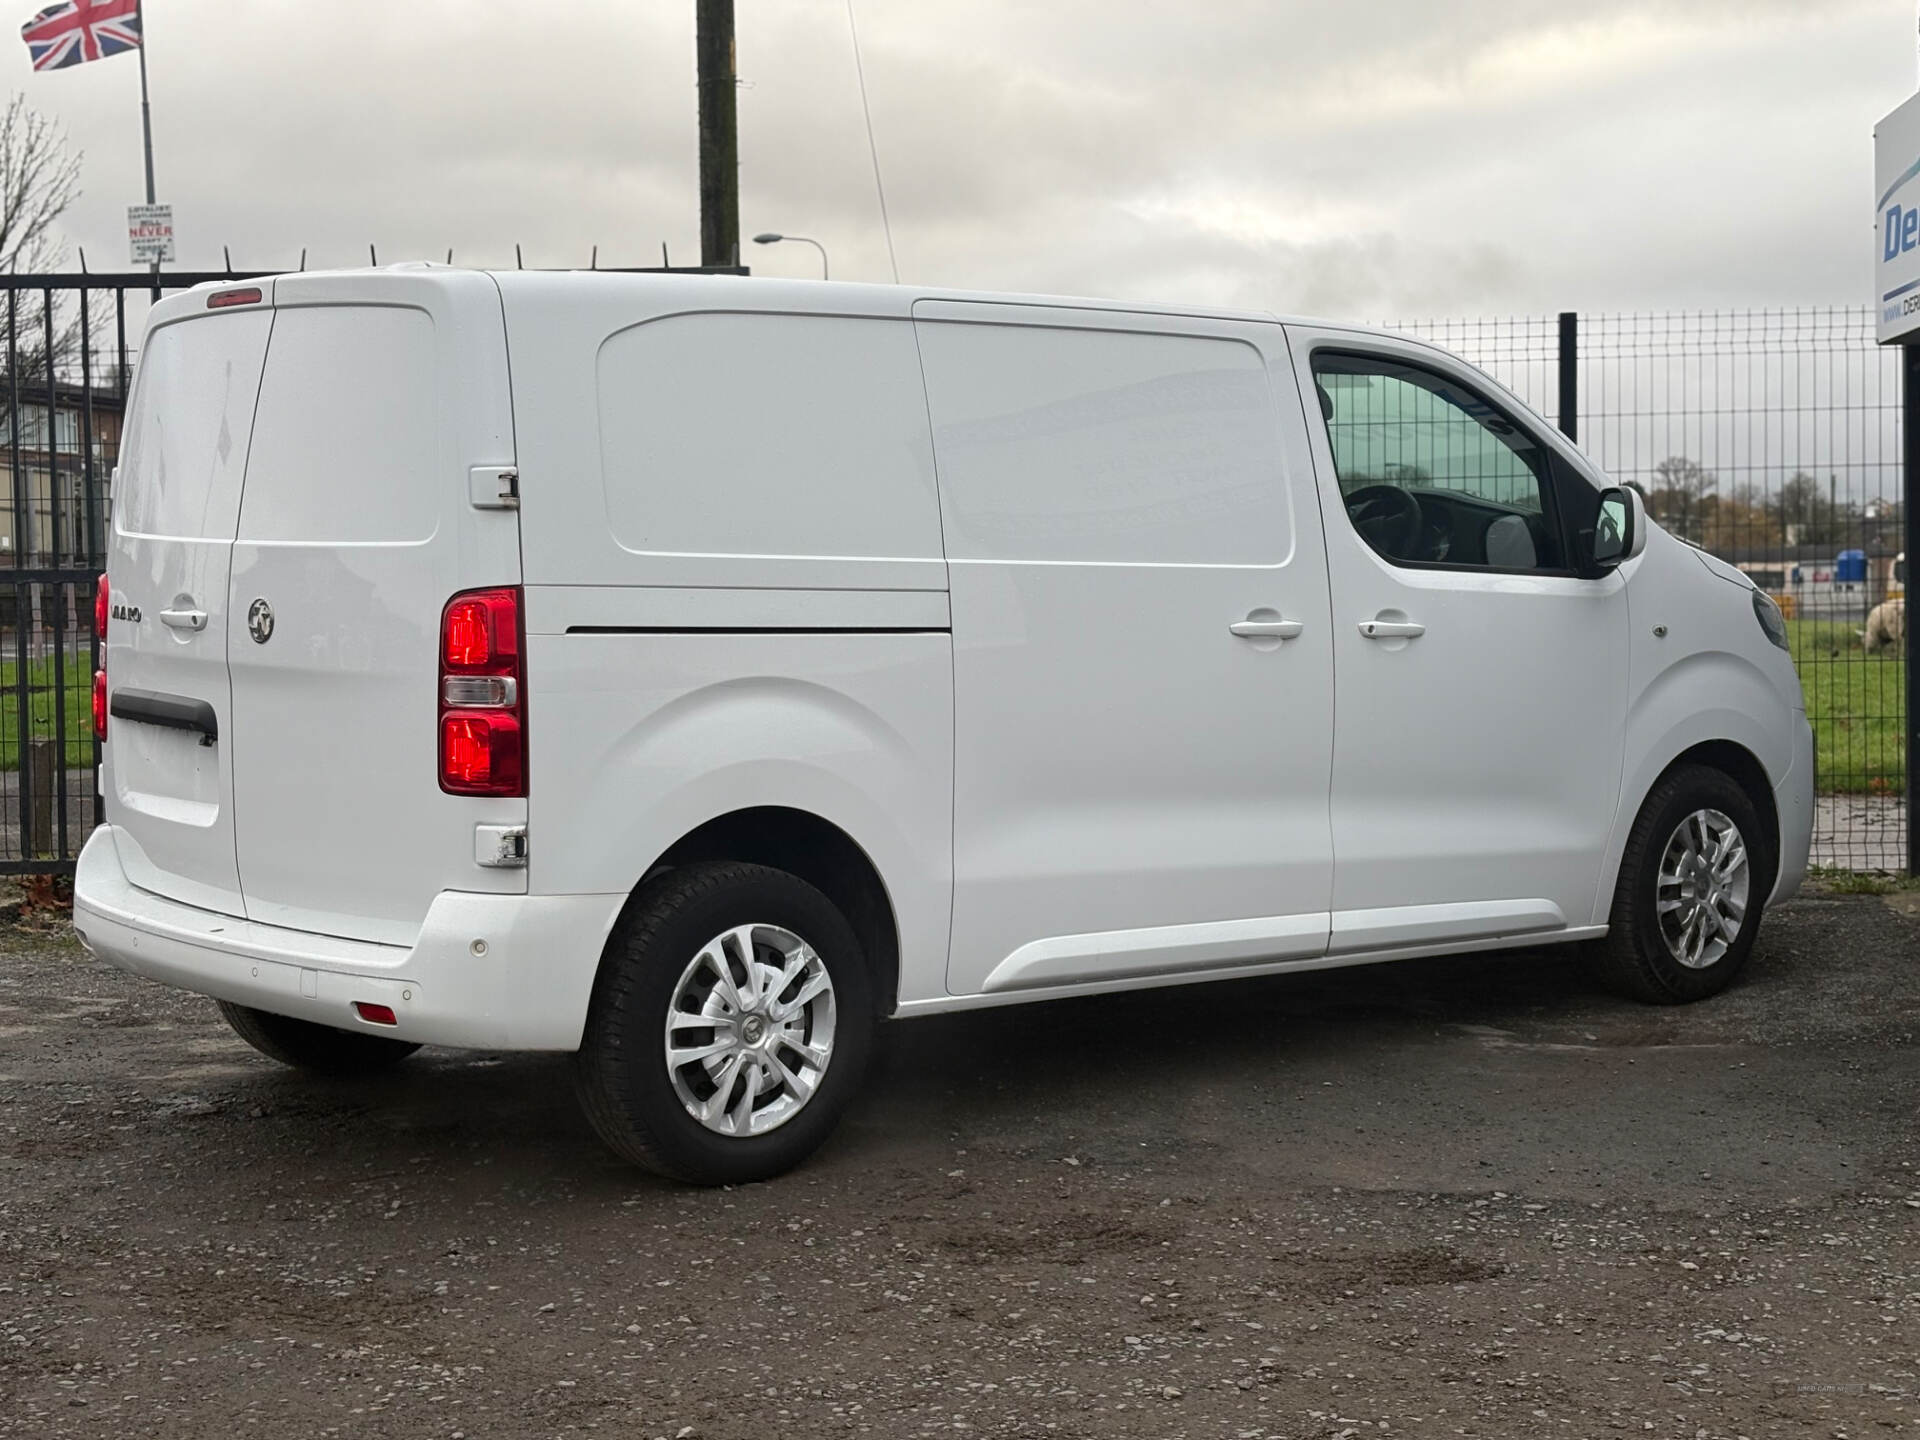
x=171 y=712
x=1391 y=629
x=184 y=619
x=1277 y=629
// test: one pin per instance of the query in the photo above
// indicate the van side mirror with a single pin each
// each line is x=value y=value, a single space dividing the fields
x=1619 y=529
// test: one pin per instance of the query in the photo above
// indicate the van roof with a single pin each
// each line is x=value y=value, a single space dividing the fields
x=697 y=290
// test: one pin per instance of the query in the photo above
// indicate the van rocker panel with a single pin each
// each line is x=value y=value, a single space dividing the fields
x=1159 y=950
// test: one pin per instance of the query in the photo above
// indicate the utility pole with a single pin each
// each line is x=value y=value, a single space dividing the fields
x=146 y=133
x=719 y=135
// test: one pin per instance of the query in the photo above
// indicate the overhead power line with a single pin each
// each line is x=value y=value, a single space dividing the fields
x=873 y=150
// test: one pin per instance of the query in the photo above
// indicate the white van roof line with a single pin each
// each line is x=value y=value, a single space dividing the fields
x=871 y=297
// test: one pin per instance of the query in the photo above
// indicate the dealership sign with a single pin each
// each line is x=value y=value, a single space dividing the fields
x=1896 y=225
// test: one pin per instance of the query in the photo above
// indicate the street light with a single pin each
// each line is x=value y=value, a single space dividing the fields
x=774 y=238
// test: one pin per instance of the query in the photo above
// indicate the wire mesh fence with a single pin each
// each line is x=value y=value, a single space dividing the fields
x=63 y=392
x=1770 y=438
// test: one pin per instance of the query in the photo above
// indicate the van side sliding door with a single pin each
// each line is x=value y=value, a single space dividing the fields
x=1141 y=648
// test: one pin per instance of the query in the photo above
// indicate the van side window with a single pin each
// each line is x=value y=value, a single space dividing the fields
x=1105 y=446
x=767 y=435
x=1431 y=472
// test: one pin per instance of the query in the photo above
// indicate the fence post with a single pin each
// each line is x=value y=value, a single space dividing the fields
x=37 y=779
x=1910 y=524
x=1570 y=374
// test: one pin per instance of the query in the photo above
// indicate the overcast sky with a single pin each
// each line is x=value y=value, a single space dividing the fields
x=1372 y=158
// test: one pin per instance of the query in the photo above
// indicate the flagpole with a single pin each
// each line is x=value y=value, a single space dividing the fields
x=146 y=128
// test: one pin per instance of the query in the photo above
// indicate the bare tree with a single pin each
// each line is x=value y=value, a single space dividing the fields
x=1682 y=489
x=39 y=179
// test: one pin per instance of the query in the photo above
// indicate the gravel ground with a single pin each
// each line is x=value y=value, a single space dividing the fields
x=1462 y=1197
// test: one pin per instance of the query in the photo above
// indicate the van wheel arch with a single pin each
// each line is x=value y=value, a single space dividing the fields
x=1743 y=767
x=818 y=852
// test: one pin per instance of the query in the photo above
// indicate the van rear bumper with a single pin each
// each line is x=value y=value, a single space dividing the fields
x=526 y=989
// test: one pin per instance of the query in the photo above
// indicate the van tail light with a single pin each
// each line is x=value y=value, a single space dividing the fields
x=101 y=607
x=483 y=694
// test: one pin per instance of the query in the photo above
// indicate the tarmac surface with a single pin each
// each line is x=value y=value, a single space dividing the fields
x=1454 y=1197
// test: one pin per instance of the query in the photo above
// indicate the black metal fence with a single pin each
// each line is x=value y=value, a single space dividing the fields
x=1771 y=438
x=68 y=361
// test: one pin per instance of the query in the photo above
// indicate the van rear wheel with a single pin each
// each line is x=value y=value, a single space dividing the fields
x=1693 y=880
x=320 y=1049
x=730 y=1025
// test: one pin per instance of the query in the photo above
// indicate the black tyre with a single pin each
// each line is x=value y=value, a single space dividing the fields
x=320 y=1049
x=1693 y=880
x=731 y=1023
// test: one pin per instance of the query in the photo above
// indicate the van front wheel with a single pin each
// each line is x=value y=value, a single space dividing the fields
x=1693 y=880
x=320 y=1049
x=730 y=1025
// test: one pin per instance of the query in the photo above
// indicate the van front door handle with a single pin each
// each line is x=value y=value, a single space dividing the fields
x=184 y=619
x=1276 y=629
x=1391 y=629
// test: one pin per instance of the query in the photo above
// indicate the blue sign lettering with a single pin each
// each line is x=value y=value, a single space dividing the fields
x=1902 y=232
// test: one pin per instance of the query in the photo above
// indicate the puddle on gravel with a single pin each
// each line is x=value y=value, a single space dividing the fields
x=208 y=1070
x=1319 y=1272
x=1062 y=1240
x=1641 y=1038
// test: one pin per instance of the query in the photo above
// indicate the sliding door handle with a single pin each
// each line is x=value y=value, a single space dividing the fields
x=1391 y=629
x=1272 y=629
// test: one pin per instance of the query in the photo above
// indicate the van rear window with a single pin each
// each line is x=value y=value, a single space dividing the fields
x=345 y=444
x=185 y=444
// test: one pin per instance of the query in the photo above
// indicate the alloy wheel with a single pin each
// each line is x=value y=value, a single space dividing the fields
x=1701 y=897
x=749 y=1032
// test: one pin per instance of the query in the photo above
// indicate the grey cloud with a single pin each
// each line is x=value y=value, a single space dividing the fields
x=1370 y=159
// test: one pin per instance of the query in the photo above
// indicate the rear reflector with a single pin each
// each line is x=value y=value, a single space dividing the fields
x=221 y=299
x=99 y=704
x=375 y=1014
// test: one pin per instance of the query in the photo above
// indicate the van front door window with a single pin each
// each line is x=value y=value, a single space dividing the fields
x=1431 y=473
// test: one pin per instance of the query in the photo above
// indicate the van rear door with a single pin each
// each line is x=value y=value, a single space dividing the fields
x=168 y=778
x=383 y=394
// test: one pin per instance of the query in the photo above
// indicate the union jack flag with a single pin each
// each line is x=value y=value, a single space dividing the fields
x=80 y=30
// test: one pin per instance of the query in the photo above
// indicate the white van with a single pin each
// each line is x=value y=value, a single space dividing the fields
x=688 y=672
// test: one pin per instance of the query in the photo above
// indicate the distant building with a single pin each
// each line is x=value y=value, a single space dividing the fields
x=1824 y=582
x=49 y=514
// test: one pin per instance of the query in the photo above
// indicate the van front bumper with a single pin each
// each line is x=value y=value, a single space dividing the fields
x=496 y=972
x=1793 y=803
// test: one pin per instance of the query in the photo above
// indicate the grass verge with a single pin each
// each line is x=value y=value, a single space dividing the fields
x=1855 y=701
